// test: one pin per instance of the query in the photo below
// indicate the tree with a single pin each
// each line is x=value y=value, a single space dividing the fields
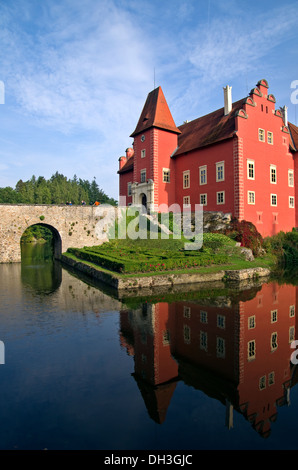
x=57 y=190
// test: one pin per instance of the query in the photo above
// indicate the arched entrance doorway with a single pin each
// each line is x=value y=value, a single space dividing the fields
x=143 y=201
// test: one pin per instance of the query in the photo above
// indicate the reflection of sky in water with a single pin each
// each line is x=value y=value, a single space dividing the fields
x=69 y=381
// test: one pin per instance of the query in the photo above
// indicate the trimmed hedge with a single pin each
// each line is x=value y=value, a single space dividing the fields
x=147 y=262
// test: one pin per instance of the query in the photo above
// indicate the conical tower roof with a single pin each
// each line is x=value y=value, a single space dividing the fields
x=156 y=113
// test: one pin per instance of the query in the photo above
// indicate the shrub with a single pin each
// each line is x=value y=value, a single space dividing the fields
x=214 y=241
x=246 y=233
x=284 y=246
x=290 y=246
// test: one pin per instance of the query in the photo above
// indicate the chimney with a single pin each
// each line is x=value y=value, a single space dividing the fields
x=227 y=99
x=285 y=113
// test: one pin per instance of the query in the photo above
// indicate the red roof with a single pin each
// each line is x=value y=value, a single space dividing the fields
x=156 y=113
x=128 y=166
x=294 y=135
x=208 y=129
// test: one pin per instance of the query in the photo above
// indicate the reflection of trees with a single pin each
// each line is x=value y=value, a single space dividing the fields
x=39 y=270
x=237 y=352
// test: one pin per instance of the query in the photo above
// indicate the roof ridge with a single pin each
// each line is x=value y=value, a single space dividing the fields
x=213 y=112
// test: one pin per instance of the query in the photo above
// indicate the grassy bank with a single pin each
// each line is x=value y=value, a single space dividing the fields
x=145 y=257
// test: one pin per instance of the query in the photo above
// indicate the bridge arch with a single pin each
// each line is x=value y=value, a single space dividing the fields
x=57 y=240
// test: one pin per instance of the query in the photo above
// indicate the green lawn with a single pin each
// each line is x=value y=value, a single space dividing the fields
x=151 y=257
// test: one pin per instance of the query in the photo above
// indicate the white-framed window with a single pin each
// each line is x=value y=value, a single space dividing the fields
x=166 y=175
x=203 y=340
x=203 y=199
x=291 y=178
x=274 y=341
x=273 y=176
x=273 y=316
x=220 y=197
x=143 y=153
x=270 y=137
x=203 y=316
x=273 y=199
x=186 y=179
x=261 y=135
x=292 y=311
x=220 y=347
x=129 y=189
x=291 y=334
x=251 y=322
x=186 y=334
x=186 y=311
x=262 y=382
x=186 y=201
x=271 y=378
x=203 y=174
x=143 y=176
x=251 y=197
x=220 y=171
x=166 y=337
x=250 y=169
x=221 y=321
x=251 y=349
x=291 y=202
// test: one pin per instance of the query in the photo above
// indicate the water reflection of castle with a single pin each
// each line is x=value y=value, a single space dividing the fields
x=238 y=353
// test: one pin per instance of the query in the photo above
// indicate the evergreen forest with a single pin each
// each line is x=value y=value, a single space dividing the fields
x=56 y=190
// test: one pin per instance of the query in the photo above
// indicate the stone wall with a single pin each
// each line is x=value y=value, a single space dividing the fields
x=166 y=279
x=215 y=221
x=72 y=226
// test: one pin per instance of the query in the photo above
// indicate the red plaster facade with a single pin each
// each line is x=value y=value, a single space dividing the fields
x=241 y=159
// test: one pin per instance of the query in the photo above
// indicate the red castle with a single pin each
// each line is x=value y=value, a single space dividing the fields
x=241 y=159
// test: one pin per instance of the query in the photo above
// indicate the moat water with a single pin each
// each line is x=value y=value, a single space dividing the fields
x=85 y=369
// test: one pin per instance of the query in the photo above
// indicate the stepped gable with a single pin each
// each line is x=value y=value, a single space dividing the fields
x=156 y=113
x=208 y=129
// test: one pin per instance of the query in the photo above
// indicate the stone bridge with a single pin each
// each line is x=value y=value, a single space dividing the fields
x=72 y=226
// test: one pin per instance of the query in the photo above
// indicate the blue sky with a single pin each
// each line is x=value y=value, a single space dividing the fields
x=77 y=73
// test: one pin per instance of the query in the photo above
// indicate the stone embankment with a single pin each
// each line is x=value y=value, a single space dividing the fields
x=166 y=280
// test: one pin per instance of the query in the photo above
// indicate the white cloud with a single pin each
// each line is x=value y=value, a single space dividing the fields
x=235 y=44
x=77 y=73
x=80 y=69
